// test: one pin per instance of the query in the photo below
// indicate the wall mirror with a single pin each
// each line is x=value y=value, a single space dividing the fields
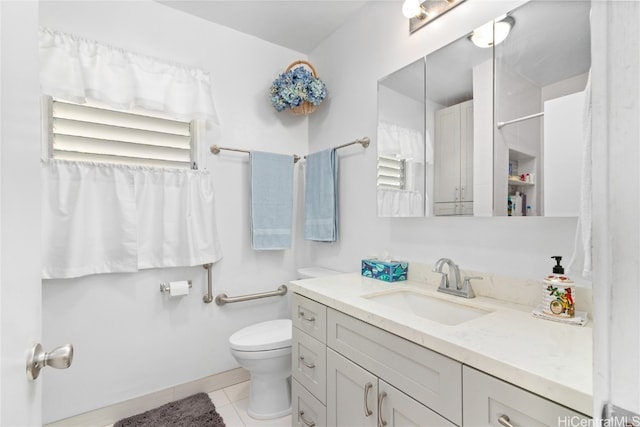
x=450 y=142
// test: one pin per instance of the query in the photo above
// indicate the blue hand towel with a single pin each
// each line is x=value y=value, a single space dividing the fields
x=321 y=197
x=271 y=200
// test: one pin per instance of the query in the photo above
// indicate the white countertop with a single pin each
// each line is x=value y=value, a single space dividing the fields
x=551 y=359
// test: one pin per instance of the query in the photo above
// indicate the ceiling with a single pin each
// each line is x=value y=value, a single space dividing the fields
x=299 y=25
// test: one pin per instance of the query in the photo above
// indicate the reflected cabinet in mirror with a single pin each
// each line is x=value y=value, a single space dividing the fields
x=451 y=142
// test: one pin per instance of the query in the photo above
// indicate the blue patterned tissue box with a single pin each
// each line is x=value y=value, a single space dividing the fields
x=390 y=271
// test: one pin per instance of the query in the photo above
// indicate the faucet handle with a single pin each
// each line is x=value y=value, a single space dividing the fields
x=467 y=290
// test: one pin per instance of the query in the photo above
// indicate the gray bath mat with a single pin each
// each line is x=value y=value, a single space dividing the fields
x=192 y=411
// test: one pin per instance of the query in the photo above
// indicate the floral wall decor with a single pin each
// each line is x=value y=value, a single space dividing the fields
x=298 y=90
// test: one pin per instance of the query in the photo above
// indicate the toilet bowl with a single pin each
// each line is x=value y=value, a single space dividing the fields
x=264 y=349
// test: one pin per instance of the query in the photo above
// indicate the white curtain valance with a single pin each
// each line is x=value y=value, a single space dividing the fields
x=74 y=69
x=409 y=143
x=100 y=218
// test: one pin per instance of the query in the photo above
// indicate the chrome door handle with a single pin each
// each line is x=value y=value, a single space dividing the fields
x=308 y=365
x=367 y=412
x=306 y=421
x=308 y=319
x=381 y=421
x=59 y=358
x=505 y=420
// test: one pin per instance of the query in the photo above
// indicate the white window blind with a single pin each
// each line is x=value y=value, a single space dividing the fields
x=93 y=133
x=391 y=172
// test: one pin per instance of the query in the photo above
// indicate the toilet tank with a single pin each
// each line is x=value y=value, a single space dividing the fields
x=311 y=272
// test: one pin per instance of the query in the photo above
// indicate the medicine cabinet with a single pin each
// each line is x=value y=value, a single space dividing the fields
x=467 y=130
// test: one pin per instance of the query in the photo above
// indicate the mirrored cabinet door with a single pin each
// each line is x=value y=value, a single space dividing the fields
x=541 y=73
x=401 y=162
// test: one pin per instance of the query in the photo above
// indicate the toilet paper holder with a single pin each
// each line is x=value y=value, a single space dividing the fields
x=166 y=286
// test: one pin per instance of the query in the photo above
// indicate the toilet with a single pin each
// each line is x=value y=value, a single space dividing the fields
x=264 y=349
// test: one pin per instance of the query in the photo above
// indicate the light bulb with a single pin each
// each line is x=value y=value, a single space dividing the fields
x=411 y=9
x=492 y=33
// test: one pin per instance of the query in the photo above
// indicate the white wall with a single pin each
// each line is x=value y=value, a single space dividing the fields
x=129 y=338
x=379 y=43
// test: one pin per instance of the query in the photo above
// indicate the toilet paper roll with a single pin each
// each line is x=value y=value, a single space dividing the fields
x=179 y=288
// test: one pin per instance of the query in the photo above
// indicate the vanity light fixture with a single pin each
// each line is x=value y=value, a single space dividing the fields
x=493 y=33
x=421 y=12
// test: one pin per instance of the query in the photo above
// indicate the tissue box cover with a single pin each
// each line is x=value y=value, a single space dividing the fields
x=389 y=271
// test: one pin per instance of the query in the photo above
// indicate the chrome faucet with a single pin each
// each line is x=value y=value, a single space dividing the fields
x=450 y=283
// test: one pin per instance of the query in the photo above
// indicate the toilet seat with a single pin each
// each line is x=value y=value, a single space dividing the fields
x=269 y=335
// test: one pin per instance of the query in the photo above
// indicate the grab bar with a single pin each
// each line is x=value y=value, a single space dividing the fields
x=209 y=296
x=223 y=299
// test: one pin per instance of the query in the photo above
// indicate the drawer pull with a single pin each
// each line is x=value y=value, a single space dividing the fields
x=306 y=421
x=505 y=420
x=308 y=319
x=308 y=365
x=381 y=422
x=367 y=411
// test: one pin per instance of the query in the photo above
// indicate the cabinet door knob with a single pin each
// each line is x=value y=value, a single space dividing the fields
x=308 y=319
x=505 y=420
x=306 y=421
x=381 y=421
x=308 y=365
x=367 y=411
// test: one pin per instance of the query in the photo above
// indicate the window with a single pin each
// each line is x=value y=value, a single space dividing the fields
x=95 y=133
x=391 y=172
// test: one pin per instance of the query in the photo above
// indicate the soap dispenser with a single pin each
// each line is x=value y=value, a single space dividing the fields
x=558 y=292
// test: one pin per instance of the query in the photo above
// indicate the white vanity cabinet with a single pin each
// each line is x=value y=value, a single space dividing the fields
x=453 y=154
x=432 y=381
x=350 y=373
x=356 y=397
x=489 y=401
x=309 y=362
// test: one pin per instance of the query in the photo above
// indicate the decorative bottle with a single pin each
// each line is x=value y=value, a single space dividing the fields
x=558 y=293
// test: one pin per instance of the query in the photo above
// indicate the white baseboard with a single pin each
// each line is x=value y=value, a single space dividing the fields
x=110 y=414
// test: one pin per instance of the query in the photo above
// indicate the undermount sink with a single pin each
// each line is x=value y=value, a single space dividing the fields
x=425 y=306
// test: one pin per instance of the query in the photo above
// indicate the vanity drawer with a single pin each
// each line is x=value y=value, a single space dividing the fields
x=310 y=317
x=309 y=363
x=487 y=400
x=430 y=378
x=306 y=410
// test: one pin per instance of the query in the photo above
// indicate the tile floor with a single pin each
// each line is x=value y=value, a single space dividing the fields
x=231 y=403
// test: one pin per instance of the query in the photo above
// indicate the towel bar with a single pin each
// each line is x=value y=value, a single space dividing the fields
x=364 y=141
x=223 y=299
x=215 y=149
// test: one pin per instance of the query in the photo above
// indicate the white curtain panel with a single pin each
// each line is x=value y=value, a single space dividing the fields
x=175 y=217
x=399 y=203
x=74 y=69
x=100 y=218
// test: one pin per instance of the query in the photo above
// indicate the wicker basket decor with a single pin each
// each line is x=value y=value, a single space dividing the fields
x=298 y=90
